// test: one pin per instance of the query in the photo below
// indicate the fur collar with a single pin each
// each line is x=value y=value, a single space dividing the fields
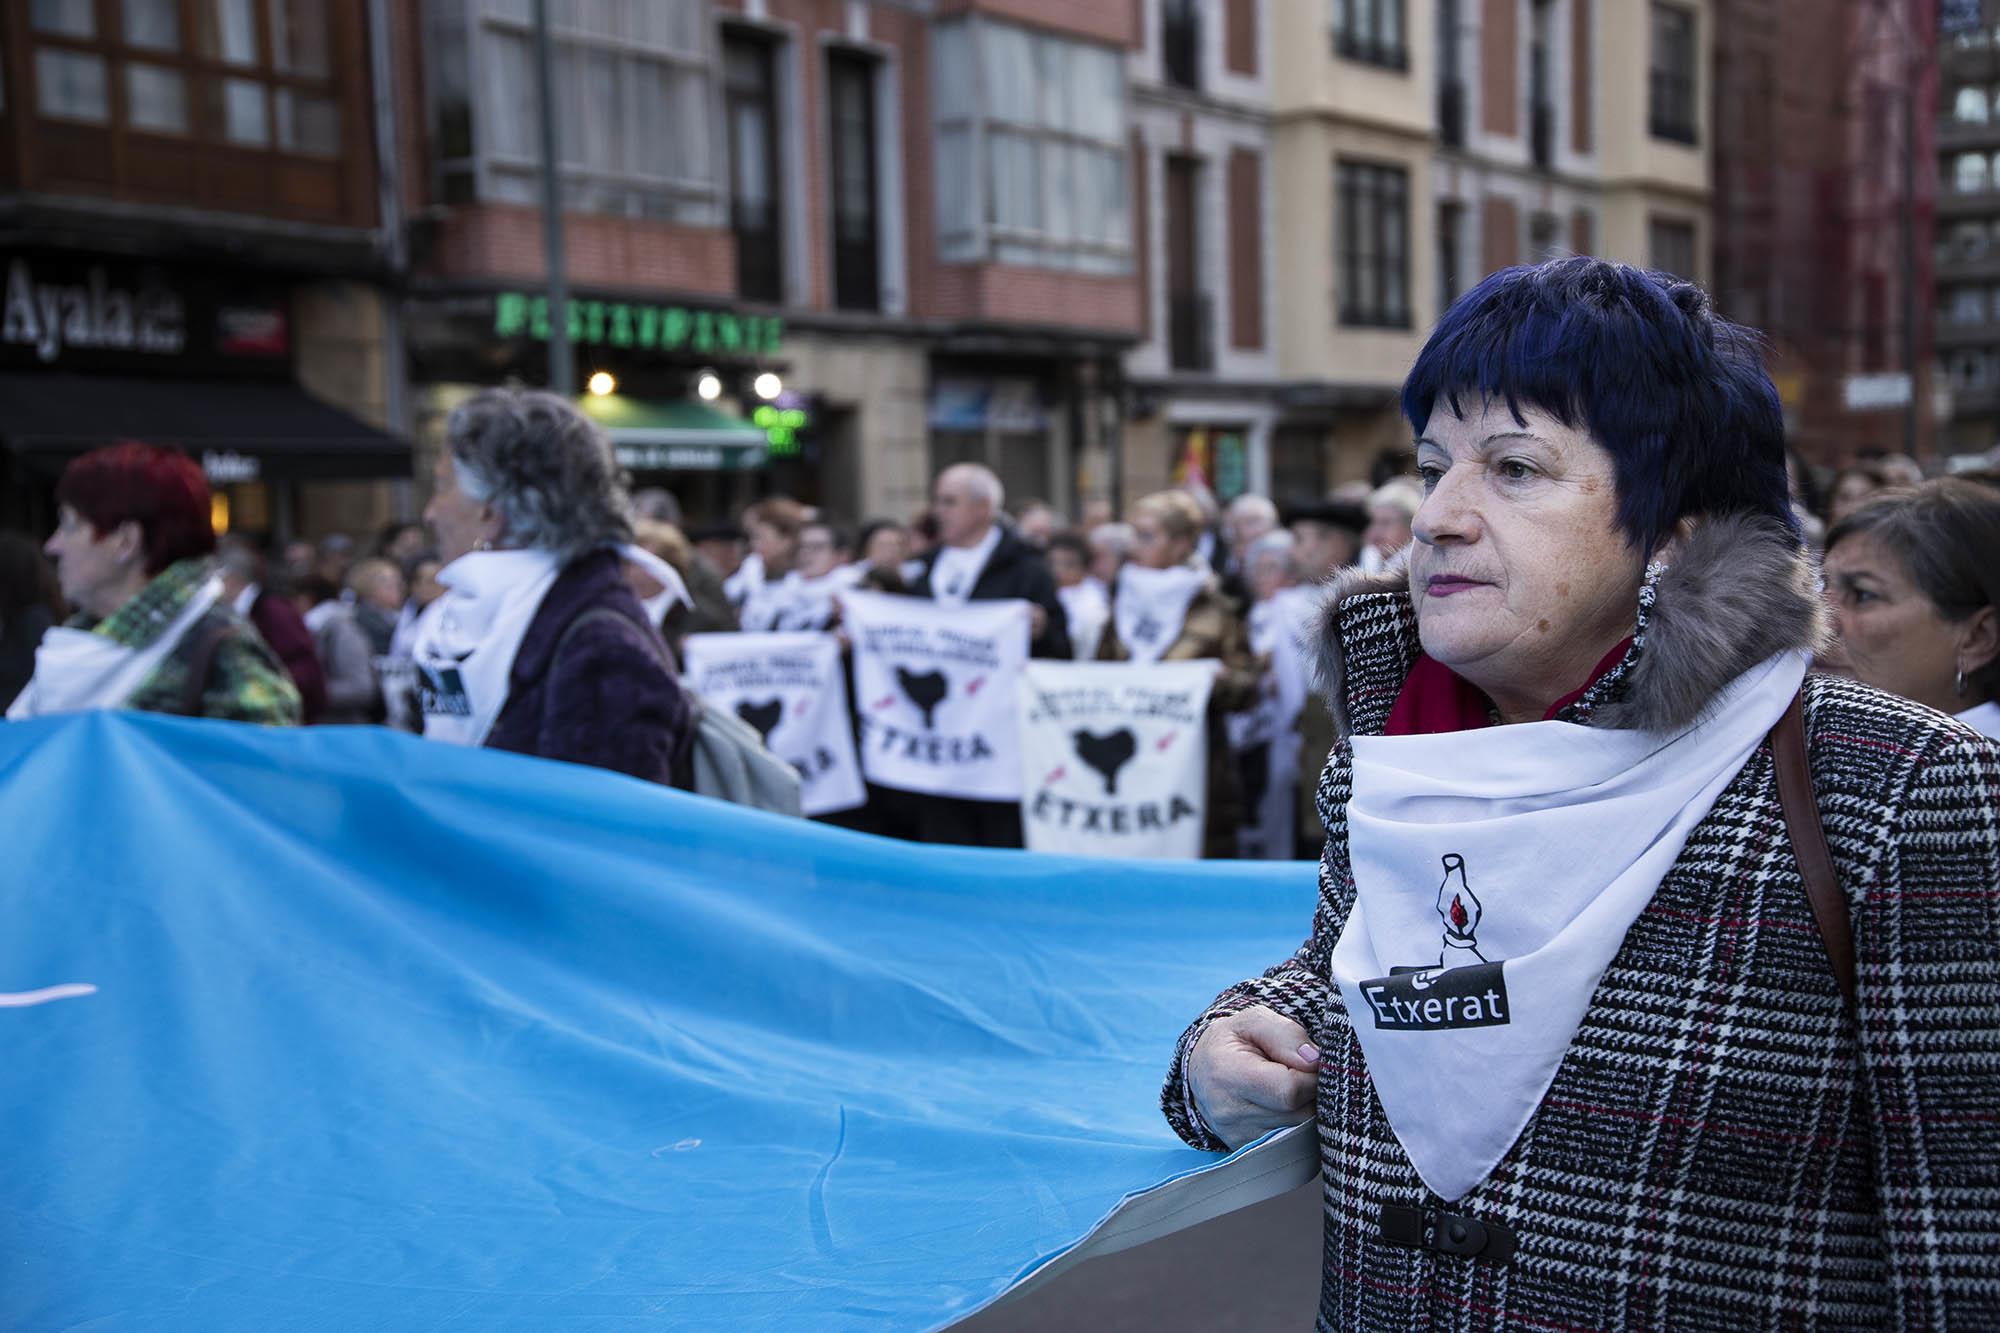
x=1740 y=591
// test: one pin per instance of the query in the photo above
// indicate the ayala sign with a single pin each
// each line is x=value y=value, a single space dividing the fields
x=53 y=317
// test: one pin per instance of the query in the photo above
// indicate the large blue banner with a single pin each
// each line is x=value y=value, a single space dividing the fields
x=338 y=1029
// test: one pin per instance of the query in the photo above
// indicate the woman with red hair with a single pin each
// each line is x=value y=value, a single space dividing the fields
x=133 y=547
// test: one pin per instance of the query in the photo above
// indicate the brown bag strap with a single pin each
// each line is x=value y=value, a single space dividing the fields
x=1795 y=794
x=200 y=662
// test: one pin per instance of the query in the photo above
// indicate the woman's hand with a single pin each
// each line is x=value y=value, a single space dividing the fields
x=1252 y=1072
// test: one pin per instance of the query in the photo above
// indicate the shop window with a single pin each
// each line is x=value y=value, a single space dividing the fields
x=1968 y=173
x=1544 y=237
x=1671 y=78
x=1373 y=229
x=632 y=101
x=1670 y=243
x=857 y=236
x=239 y=105
x=1450 y=239
x=1180 y=43
x=153 y=25
x=64 y=18
x=69 y=85
x=228 y=30
x=1370 y=31
x=235 y=95
x=1031 y=149
x=751 y=102
x=156 y=99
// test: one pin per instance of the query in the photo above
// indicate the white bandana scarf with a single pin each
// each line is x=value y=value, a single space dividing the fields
x=1151 y=607
x=77 y=671
x=1496 y=873
x=797 y=604
x=465 y=647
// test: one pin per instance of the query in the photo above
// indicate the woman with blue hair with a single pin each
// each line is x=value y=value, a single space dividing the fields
x=1655 y=981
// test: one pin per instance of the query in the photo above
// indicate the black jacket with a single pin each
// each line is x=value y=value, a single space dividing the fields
x=1015 y=569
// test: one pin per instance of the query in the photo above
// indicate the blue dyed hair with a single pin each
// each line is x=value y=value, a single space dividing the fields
x=1677 y=394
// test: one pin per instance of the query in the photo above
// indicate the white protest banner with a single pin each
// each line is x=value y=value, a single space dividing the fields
x=1114 y=757
x=790 y=688
x=935 y=688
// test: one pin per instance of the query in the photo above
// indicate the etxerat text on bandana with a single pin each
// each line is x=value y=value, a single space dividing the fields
x=789 y=687
x=935 y=689
x=1114 y=757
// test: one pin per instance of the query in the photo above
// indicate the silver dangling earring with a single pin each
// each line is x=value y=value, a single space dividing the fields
x=482 y=545
x=1959 y=683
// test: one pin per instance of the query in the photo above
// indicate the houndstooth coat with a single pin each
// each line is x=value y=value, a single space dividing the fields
x=1724 y=1146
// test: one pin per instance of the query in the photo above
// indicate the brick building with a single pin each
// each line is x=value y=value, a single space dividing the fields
x=195 y=252
x=1967 y=251
x=1819 y=107
x=1205 y=392
x=919 y=224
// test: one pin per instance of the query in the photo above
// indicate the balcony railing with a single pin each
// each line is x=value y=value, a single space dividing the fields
x=1190 y=331
x=1451 y=113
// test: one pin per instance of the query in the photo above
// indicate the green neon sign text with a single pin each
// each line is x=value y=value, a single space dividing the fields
x=663 y=328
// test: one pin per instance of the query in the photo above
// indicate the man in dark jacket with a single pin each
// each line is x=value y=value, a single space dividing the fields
x=979 y=560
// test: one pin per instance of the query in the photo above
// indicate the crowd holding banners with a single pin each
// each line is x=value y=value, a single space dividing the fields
x=1558 y=717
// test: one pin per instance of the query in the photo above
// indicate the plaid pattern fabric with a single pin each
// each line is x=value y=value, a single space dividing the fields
x=1723 y=1147
x=246 y=683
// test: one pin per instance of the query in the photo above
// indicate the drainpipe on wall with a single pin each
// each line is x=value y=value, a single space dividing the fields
x=393 y=243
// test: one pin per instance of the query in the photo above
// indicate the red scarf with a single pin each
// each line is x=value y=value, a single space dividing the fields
x=1436 y=699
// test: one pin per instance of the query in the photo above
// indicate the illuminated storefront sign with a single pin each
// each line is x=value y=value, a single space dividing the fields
x=653 y=328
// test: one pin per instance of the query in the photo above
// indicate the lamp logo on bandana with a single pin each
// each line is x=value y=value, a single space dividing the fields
x=441 y=691
x=1463 y=990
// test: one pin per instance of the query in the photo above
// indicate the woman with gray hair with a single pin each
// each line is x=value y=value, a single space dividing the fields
x=538 y=646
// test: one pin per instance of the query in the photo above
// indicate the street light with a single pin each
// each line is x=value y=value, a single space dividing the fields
x=603 y=384
x=768 y=386
x=708 y=386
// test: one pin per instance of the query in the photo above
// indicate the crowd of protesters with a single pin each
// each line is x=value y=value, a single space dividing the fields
x=570 y=600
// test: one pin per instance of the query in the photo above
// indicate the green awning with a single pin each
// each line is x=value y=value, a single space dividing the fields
x=675 y=435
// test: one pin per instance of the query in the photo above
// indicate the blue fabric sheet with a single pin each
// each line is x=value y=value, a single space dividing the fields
x=390 y=1034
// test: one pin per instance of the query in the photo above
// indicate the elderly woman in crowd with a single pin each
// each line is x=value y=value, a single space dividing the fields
x=763 y=588
x=1914 y=580
x=1589 y=1049
x=537 y=645
x=1169 y=606
x=134 y=554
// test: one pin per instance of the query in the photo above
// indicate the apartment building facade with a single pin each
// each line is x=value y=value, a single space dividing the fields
x=1967 y=249
x=1204 y=392
x=194 y=251
x=883 y=239
x=1825 y=196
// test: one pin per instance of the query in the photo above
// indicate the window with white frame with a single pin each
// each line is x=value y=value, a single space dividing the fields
x=1968 y=305
x=633 y=105
x=1968 y=107
x=1968 y=173
x=1031 y=148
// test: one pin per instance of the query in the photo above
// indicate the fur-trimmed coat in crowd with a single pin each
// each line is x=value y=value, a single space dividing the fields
x=1725 y=1146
